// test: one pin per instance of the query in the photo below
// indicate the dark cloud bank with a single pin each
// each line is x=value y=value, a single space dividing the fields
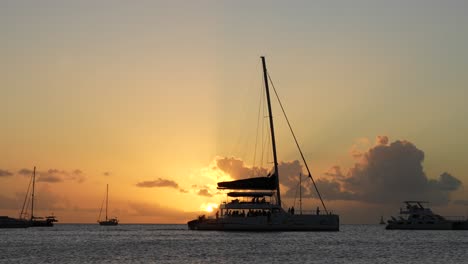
x=386 y=173
x=389 y=173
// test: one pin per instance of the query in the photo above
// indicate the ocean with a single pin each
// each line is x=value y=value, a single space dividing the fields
x=91 y=243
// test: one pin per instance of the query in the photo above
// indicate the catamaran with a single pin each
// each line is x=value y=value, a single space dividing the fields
x=107 y=221
x=255 y=203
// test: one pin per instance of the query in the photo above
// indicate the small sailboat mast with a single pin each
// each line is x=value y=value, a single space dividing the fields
x=32 y=195
x=272 y=130
x=107 y=198
x=109 y=221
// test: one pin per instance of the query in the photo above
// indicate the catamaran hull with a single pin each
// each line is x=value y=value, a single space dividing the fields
x=289 y=223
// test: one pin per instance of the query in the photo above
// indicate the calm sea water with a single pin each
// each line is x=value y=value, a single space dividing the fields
x=175 y=244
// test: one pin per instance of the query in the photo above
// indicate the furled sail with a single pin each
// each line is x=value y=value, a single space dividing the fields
x=257 y=183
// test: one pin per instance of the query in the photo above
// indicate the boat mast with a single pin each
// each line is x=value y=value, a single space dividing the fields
x=300 y=193
x=32 y=195
x=107 y=197
x=273 y=143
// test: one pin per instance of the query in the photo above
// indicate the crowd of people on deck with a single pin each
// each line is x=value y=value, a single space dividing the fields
x=250 y=213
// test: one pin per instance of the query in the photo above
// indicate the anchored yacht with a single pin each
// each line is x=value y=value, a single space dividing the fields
x=255 y=203
x=418 y=217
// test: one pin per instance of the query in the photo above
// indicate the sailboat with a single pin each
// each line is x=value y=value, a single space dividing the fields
x=108 y=221
x=255 y=203
x=37 y=221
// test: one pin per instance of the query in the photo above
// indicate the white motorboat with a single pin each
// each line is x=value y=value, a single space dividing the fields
x=418 y=217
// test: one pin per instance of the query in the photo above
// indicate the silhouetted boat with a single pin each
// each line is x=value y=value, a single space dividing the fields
x=37 y=221
x=260 y=206
x=8 y=222
x=26 y=220
x=418 y=217
x=108 y=221
x=44 y=221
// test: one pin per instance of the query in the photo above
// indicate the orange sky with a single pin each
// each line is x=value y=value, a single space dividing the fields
x=159 y=92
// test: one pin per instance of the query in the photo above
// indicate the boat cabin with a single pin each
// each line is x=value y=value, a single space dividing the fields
x=249 y=204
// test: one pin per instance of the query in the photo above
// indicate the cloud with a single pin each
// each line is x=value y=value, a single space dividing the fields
x=388 y=173
x=384 y=173
x=204 y=192
x=237 y=169
x=51 y=178
x=25 y=172
x=77 y=175
x=381 y=140
x=5 y=173
x=446 y=182
x=56 y=171
x=57 y=175
x=158 y=183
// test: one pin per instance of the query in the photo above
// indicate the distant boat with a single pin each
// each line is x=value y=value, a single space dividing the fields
x=418 y=217
x=35 y=221
x=108 y=221
x=382 y=222
x=10 y=222
x=256 y=203
x=39 y=221
x=23 y=220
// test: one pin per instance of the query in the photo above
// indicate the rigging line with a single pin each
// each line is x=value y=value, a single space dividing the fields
x=295 y=195
x=25 y=199
x=256 y=134
x=100 y=211
x=297 y=144
x=263 y=129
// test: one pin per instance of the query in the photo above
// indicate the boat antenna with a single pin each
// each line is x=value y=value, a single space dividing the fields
x=297 y=144
x=32 y=196
x=272 y=130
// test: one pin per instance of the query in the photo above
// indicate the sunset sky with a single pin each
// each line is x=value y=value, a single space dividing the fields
x=160 y=100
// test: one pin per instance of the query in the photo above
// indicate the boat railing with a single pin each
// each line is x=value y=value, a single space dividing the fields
x=309 y=212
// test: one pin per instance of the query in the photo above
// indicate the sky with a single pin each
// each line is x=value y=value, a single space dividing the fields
x=162 y=99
